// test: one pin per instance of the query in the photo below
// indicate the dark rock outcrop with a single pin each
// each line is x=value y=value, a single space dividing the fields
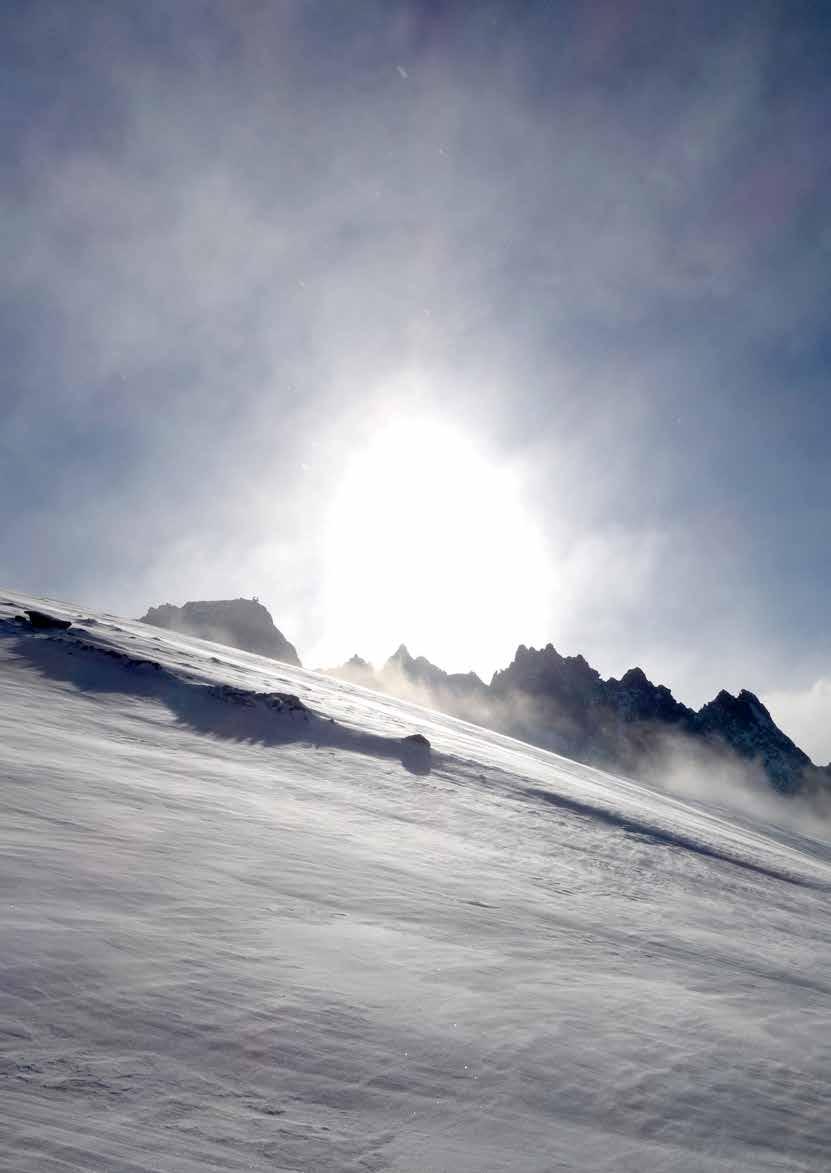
x=744 y=725
x=43 y=622
x=635 y=698
x=416 y=739
x=239 y=623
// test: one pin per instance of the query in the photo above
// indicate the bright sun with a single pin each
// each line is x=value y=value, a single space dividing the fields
x=429 y=543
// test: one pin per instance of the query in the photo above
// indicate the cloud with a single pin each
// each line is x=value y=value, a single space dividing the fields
x=233 y=227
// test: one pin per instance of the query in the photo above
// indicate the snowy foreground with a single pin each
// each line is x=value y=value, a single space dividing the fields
x=237 y=935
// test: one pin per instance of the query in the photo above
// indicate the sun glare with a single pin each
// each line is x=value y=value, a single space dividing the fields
x=429 y=543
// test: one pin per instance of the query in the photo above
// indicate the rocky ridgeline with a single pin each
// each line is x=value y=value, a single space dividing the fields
x=559 y=702
x=629 y=725
x=239 y=623
x=631 y=722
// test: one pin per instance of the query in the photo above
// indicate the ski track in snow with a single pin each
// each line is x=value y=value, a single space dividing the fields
x=238 y=935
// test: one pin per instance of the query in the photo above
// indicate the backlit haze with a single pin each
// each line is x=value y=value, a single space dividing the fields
x=458 y=325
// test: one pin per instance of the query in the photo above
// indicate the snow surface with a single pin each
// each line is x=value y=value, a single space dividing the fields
x=236 y=935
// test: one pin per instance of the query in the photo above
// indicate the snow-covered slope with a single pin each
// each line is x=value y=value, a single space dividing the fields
x=238 y=935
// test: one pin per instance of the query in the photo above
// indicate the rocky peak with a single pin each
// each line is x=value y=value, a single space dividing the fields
x=635 y=698
x=358 y=671
x=744 y=724
x=419 y=670
x=616 y=722
x=744 y=710
x=413 y=667
x=239 y=623
x=545 y=672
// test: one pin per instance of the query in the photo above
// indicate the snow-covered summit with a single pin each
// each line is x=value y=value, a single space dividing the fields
x=251 y=922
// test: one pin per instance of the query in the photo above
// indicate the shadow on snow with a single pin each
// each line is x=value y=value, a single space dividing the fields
x=218 y=710
x=660 y=836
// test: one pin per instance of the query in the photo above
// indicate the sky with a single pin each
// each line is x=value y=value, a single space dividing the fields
x=459 y=324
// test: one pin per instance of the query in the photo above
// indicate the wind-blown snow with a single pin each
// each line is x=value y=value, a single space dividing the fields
x=241 y=934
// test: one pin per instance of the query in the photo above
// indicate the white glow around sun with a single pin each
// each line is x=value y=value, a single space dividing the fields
x=429 y=543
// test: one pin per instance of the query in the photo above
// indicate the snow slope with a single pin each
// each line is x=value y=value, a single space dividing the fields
x=237 y=935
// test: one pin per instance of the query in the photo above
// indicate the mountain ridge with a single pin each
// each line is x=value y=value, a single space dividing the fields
x=556 y=702
x=563 y=703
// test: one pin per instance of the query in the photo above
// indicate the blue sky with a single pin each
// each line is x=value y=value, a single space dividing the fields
x=587 y=244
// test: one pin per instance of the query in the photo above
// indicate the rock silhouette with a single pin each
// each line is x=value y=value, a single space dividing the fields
x=241 y=623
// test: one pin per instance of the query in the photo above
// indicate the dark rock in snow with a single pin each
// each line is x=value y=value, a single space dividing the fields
x=43 y=622
x=281 y=702
x=415 y=753
x=239 y=623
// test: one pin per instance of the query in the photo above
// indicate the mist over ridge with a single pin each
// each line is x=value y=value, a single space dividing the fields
x=561 y=703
